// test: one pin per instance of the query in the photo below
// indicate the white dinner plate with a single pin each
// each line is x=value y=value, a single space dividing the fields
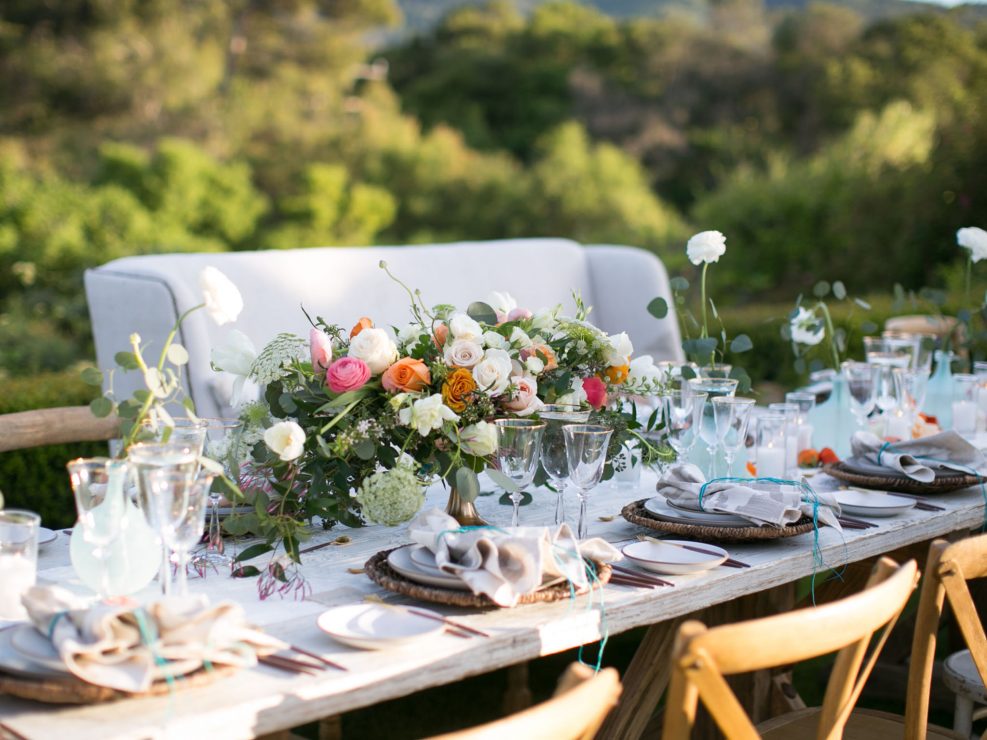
x=425 y=559
x=16 y=660
x=663 y=510
x=873 y=503
x=400 y=560
x=666 y=558
x=376 y=626
x=46 y=536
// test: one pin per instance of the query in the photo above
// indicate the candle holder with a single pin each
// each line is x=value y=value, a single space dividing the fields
x=771 y=450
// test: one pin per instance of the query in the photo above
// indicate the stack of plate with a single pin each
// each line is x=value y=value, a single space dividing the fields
x=663 y=509
x=873 y=503
x=379 y=626
x=417 y=564
x=25 y=652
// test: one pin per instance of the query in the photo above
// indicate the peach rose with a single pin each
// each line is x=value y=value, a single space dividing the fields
x=524 y=401
x=406 y=375
x=543 y=352
x=458 y=387
x=440 y=335
x=363 y=323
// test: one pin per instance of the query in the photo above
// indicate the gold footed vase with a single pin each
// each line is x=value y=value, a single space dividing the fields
x=463 y=511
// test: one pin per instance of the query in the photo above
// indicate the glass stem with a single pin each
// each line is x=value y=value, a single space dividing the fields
x=711 y=449
x=516 y=500
x=181 y=587
x=728 y=456
x=215 y=535
x=165 y=570
x=560 y=503
x=581 y=529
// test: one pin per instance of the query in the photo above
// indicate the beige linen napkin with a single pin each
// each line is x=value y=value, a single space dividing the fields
x=503 y=564
x=919 y=458
x=128 y=649
x=764 y=504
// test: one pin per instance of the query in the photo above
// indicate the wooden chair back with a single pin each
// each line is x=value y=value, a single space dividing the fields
x=62 y=425
x=947 y=570
x=582 y=701
x=703 y=656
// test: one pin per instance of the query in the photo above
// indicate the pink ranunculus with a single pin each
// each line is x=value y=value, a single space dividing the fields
x=347 y=374
x=596 y=392
x=320 y=345
x=525 y=400
x=519 y=313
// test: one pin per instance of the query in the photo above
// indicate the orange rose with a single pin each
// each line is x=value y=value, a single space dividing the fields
x=407 y=374
x=458 y=386
x=616 y=374
x=363 y=323
x=544 y=353
x=440 y=336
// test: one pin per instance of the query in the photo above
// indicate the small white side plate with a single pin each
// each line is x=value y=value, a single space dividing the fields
x=873 y=503
x=400 y=560
x=46 y=536
x=661 y=509
x=671 y=560
x=375 y=627
x=25 y=648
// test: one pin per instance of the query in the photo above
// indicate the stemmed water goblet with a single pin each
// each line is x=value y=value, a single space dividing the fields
x=553 y=455
x=713 y=388
x=98 y=486
x=218 y=433
x=861 y=380
x=683 y=418
x=586 y=447
x=518 y=451
x=732 y=417
x=179 y=502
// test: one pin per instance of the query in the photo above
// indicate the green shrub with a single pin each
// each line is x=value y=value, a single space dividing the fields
x=35 y=479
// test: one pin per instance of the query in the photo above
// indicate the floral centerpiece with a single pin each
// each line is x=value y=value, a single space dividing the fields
x=351 y=426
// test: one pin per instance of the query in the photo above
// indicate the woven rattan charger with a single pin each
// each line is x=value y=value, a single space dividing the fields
x=636 y=514
x=901 y=483
x=384 y=576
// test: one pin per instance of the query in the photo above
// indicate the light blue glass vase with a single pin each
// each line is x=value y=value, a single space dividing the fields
x=833 y=423
x=939 y=395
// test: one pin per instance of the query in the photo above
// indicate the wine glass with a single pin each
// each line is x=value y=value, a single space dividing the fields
x=586 y=447
x=519 y=446
x=713 y=388
x=861 y=380
x=179 y=504
x=684 y=413
x=732 y=419
x=98 y=486
x=553 y=456
x=219 y=432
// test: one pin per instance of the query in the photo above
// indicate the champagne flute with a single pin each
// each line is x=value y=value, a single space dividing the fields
x=713 y=388
x=861 y=380
x=553 y=455
x=219 y=432
x=732 y=419
x=684 y=417
x=519 y=446
x=586 y=447
x=179 y=504
x=98 y=485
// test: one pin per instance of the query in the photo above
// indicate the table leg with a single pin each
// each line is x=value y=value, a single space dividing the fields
x=518 y=694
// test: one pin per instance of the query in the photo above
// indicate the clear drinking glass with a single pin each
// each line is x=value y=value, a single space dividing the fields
x=179 y=504
x=99 y=486
x=586 y=446
x=771 y=450
x=806 y=402
x=223 y=438
x=553 y=455
x=713 y=388
x=861 y=381
x=925 y=347
x=684 y=415
x=791 y=413
x=18 y=559
x=715 y=370
x=732 y=418
x=518 y=451
x=965 y=396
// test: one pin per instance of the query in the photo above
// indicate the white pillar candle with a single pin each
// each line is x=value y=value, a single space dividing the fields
x=897 y=426
x=16 y=576
x=791 y=449
x=805 y=436
x=965 y=417
x=770 y=462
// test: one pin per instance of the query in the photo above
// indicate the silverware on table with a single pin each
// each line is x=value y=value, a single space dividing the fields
x=289 y=664
x=449 y=623
x=623 y=571
x=316 y=656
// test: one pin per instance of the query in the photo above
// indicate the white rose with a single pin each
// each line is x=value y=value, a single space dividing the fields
x=706 y=246
x=493 y=373
x=502 y=303
x=462 y=326
x=520 y=338
x=479 y=439
x=375 y=348
x=286 y=440
x=546 y=319
x=237 y=358
x=620 y=349
x=223 y=301
x=974 y=239
x=427 y=414
x=410 y=334
x=525 y=400
x=462 y=353
x=807 y=328
x=495 y=340
x=643 y=371
x=534 y=365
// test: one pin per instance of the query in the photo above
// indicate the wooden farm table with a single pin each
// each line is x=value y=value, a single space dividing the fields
x=264 y=700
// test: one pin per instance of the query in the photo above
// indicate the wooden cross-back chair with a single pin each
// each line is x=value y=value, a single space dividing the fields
x=66 y=424
x=582 y=701
x=703 y=658
x=947 y=571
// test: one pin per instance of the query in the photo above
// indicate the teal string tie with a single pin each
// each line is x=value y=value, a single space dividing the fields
x=54 y=621
x=149 y=636
x=595 y=587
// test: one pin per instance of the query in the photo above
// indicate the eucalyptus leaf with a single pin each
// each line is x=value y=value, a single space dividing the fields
x=365 y=449
x=101 y=407
x=821 y=289
x=862 y=303
x=126 y=360
x=482 y=312
x=502 y=480
x=467 y=484
x=679 y=284
x=741 y=343
x=658 y=307
x=839 y=290
x=92 y=376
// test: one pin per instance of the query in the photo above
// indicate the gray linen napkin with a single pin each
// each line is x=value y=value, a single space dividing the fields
x=920 y=458
x=503 y=564
x=110 y=645
x=764 y=504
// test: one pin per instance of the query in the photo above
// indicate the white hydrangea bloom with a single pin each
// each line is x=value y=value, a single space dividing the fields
x=391 y=497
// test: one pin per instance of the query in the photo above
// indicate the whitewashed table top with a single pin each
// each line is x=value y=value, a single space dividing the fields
x=264 y=700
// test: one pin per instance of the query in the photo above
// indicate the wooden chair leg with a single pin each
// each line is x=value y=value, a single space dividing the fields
x=331 y=728
x=518 y=694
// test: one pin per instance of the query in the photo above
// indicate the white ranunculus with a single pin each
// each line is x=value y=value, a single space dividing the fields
x=376 y=348
x=534 y=365
x=462 y=326
x=427 y=414
x=479 y=439
x=410 y=334
x=493 y=373
x=286 y=440
x=462 y=353
x=643 y=370
x=974 y=239
x=519 y=338
x=620 y=349
x=495 y=340
x=546 y=319
x=501 y=302
x=237 y=358
x=806 y=328
x=223 y=301
x=706 y=246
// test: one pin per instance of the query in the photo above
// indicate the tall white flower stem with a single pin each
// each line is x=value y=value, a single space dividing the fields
x=831 y=333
